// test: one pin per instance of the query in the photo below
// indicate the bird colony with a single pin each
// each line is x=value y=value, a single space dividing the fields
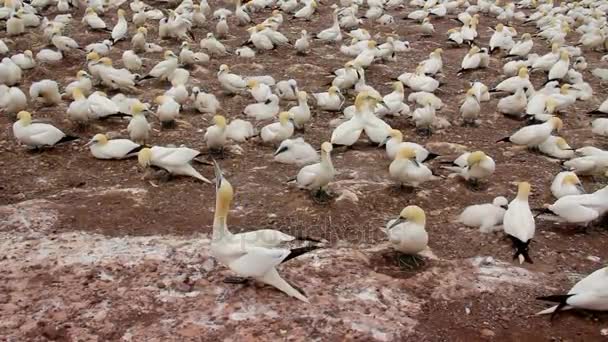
x=492 y=110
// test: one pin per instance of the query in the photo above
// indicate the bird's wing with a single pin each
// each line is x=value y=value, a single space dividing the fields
x=257 y=261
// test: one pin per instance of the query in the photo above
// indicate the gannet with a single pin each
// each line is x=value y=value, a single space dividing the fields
x=512 y=84
x=10 y=73
x=501 y=39
x=519 y=223
x=347 y=133
x=470 y=108
x=138 y=41
x=78 y=110
x=346 y=77
x=556 y=147
x=422 y=98
x=300 y=114
x=406 y=170
x=434 y=64
x=473 y=166
x=222 y=28
x=139 y=128
x=424 y=117
x=514 y=105
x=259 y=91
x=240 y=130
x=394 y=142
x=407 y=233
x=330 y=101
x=102 y=147
x=119 y=31
x=175 y=160
x=278 y=131
x=100 y=106
x=24 y=60
x=163 y=69
x=559 y=70
x=590 y=293
x=131 y=60
x=215 y=136
x=523 y=47
x=12 y=100
x=332 y=34
x=566 y=183
x=418 y=81
x=189 y=57
x=92 y=20
x=535 y=135
x=426 y=27
x=393 y=101
x=231 y=83
x=252 y=254
x=287 y=90
x=15 y=25
x=264 y=110
x=302 y=44
x=296 y=151
x=204 y=102
x=307 y=11
x=213 y=46
x=245 y=52
x=37 y=135
x=316 y=177
x=83 y=82
x=167 y=111
x=366 y=57
x=487 y=217
x=45 y=92
x=581 y=209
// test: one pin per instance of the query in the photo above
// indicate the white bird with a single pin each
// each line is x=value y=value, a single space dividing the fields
x=36 y=134
x=406 y=169
x=78 y=110
x=119 y=31
x=535 y=135
x=175 y=160
x=278 y=131
x=245 y=52
x=393 y=101
x=331 y=101
x=512 y=84
x=556 y=147
x=24 y=60
x=581 y=209
x=434 y=64
x=519 y=223
x=302 y=44
x=231 y=83
x=165 y=68
x=600 y=127
x=102 y=147
x=300 y=113
x=514 y=105
x=296 y=151
x=590 y=293
x=473 y=166
x=254 y=254
x=216 y=135
x=307 y=11
x=46 y=92
x=316 y=177
x=470 y=108
x=12 y=100
x=523 y=47
x=259 y=91
x=332 y=34
x=139 y=128
x=205 y=103
x=560 y=69
x=131 y=60
x=92 y=20
x=287 y=90
x=10 y=73
x=264 y=110
x=167 y=111
x=394 y=142
x=487 y=217
x=213 y=46
x=407 y=233
x=501 y=39
x=240 y=130
x=566 y=183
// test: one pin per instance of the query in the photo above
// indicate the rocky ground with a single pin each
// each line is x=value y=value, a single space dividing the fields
x=91 y=251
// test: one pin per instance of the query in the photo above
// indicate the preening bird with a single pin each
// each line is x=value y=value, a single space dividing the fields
x=174 y=160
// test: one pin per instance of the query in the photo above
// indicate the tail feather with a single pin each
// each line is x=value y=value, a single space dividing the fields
x=296 y=252
x=596 y=112
x=505 y=139
x=560 y=299
x=273 y=278
x=431 y=156
x=135 y=150
x=521 y=249
x=67 y=138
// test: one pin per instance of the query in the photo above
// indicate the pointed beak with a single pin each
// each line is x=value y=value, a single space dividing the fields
x=398 y=221
x=384 y=141
x=505 y=207
x=580 y=188
x=91 y=142
x=218 y=175
x=382 y=103
x=281 y=150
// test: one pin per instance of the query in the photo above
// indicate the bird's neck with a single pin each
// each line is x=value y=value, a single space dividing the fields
x=220 y=226
x=326 y=160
